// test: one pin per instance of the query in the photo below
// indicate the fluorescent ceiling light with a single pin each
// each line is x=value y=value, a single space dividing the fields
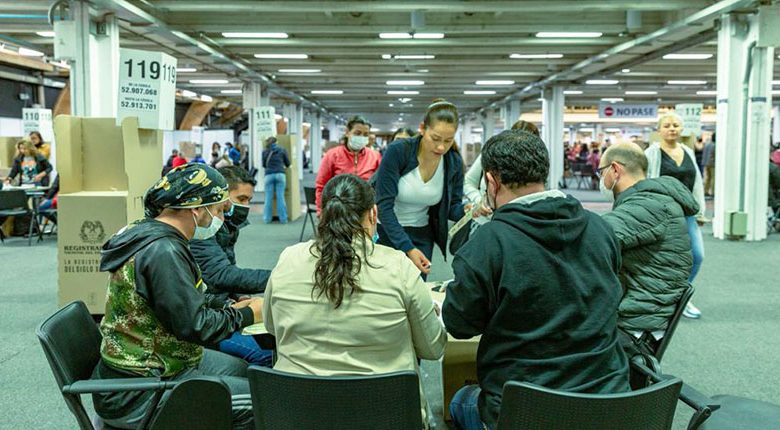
x=641 y=93
x=568 y=34
x=403 y=93
x=205 y=98
x=391 y=105
x=776 y=93
x=334 y=92
x=479 y=92
x=429 y=35
x=686 y=82
x=374 y=129
x=299 y=70
x=395 y=36
x=405 y=83
x=186 y=70
x=188 y=93
x=30 y=52
x=535 y=56
x=775 y=82
x=612 y=99
x=687 y=56
x=602 y=82
x=255 y=35
x=45 y=33
x=707 y=93
x=626 y=71
x=612 y=130
x=423 y=71
x=408 y=57
x=282 y=56
x=495 y=83
x=404 y=100
x=586 y=129
x=209 y=81
x=572 y=92
x=231 y=92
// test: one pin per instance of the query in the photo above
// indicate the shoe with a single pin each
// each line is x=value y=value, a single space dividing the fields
x=691 y=311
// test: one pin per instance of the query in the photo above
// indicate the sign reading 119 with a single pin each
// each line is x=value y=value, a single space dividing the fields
x=152 y=69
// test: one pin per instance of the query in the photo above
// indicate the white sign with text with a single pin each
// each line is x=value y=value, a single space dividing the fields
x=620 y=110
x=691 y=116
x=36 y=119
x=147 y=88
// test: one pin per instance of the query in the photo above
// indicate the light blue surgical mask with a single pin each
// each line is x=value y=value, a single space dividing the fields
x=356 y=143
x=203 y=233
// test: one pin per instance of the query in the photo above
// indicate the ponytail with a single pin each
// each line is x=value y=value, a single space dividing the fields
x=345 y=200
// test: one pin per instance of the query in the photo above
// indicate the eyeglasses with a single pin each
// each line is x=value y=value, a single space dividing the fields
x=600 y=170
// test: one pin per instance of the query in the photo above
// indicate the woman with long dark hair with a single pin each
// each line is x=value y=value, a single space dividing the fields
x=341 y=305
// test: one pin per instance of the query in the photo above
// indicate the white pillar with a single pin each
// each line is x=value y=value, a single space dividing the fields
x=254 y=95
x=741 y=160
x=294 y=114
x=511 y=113
x=776 y=125
x=79 y=66
x=315 y=138
x=488 y=125
x=552 y=133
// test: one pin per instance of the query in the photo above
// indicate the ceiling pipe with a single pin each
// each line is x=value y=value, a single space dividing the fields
x=710 y=12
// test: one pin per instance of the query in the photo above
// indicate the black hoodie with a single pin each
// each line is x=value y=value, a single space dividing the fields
x=539 y=283
x=168 y=279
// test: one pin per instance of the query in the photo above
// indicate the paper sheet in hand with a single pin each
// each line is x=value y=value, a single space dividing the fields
x=462 y=222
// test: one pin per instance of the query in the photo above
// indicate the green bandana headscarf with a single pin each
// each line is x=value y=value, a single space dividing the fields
x=188 y=186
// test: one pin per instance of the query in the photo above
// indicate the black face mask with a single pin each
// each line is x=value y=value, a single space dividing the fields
x=239 y=215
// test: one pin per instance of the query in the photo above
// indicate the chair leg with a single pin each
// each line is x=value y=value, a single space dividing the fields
x=313 y=224
x=303 y=229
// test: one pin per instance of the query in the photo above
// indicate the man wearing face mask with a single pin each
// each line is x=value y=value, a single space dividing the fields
x=539 y=283
x=158 y=318
x=648 y=218
x=354 y=157
x=216 y=257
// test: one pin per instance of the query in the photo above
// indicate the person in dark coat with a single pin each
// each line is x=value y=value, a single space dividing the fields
x=216 y=258
x=539 y=283
x=30 y=166
x=648 y=218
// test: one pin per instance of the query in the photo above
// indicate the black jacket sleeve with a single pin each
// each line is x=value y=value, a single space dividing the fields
x=167 y=278
x=15 y=169
x=456 y=209
x=219 y=273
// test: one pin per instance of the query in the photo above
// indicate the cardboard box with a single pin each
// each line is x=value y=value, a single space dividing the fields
x=459 y=365
x=292 y=194
x=8 y=151
x=104 y=173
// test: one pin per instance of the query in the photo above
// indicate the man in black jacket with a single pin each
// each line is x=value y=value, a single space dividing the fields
x=539 y=283
x=216 y=258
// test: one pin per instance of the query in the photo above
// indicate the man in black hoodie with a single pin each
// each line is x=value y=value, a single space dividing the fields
x=157 y=316
x=539 y=283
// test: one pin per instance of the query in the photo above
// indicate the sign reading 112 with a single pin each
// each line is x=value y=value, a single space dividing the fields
x=153 y=69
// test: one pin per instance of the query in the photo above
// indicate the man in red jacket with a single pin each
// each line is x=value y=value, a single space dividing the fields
x=353 y=157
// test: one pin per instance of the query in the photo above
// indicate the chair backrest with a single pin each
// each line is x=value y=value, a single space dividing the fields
x=311 y=198
x=209 y=396
x=285 y=401
x=13 y=199
x=673 y=322
x=71 y=341
x=531 y=407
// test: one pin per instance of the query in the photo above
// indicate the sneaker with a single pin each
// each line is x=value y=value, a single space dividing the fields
x=691 y=311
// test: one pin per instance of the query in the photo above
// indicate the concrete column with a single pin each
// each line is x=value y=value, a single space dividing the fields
x=80 y=67
x=332 y=129
x=315 y=141
x=511 y=113
x=488 y=125
x=741 y=154
x=776 y=124
x=552 y=132
x=294 y=114
x=255 y=94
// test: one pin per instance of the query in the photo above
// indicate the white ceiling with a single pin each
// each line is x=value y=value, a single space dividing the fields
x=341 y=40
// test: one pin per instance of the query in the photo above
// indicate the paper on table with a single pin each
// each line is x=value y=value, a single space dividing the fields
x=258 y=328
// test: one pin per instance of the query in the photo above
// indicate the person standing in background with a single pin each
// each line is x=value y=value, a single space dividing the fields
x=43 y=148
x=708 y=157
x=216 y=150
x=698 y=150
x=233 y=153
x=275 y=162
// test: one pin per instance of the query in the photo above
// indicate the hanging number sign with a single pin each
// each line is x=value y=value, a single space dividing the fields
x=147 y=88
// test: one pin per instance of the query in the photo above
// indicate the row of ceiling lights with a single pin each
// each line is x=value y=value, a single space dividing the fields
x=399 y=35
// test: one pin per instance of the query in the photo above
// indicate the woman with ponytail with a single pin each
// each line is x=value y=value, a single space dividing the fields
x=343 y=305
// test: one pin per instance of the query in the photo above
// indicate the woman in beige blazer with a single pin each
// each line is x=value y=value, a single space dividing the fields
x=342 y=305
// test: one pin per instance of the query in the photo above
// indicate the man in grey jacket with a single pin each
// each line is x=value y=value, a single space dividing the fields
x=648 y=219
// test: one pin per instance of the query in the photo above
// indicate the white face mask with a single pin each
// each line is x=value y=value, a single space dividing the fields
x=607 y=192
x=356 y=143
x=203 y=233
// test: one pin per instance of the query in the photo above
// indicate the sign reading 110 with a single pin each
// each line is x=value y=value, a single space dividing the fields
x=153 y=70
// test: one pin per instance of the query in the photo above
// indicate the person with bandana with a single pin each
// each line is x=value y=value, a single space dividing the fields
x=216 y=258
x=648 y=218
x=158 y=318
x=342 y=304
x=539 y=282
x=355 y=156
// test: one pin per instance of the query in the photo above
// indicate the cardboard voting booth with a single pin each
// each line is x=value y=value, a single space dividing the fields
x=459 y=365
x=104 y=171
x=292 y=194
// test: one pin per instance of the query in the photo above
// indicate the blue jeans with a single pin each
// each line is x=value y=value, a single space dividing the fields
x=697 y=246
x=464 y=410
x=243 y=346
x=275 y=183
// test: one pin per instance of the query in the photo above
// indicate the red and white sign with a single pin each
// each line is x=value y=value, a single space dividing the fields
x=620 y=110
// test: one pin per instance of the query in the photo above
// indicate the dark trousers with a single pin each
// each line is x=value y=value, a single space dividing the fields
x=421 y=237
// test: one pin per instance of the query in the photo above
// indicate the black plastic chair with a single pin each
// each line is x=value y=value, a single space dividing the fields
x=71 y=342
x=285 y=401
x=311 y=208
x=531 y=407
x=742 y=413
x=14 y=203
